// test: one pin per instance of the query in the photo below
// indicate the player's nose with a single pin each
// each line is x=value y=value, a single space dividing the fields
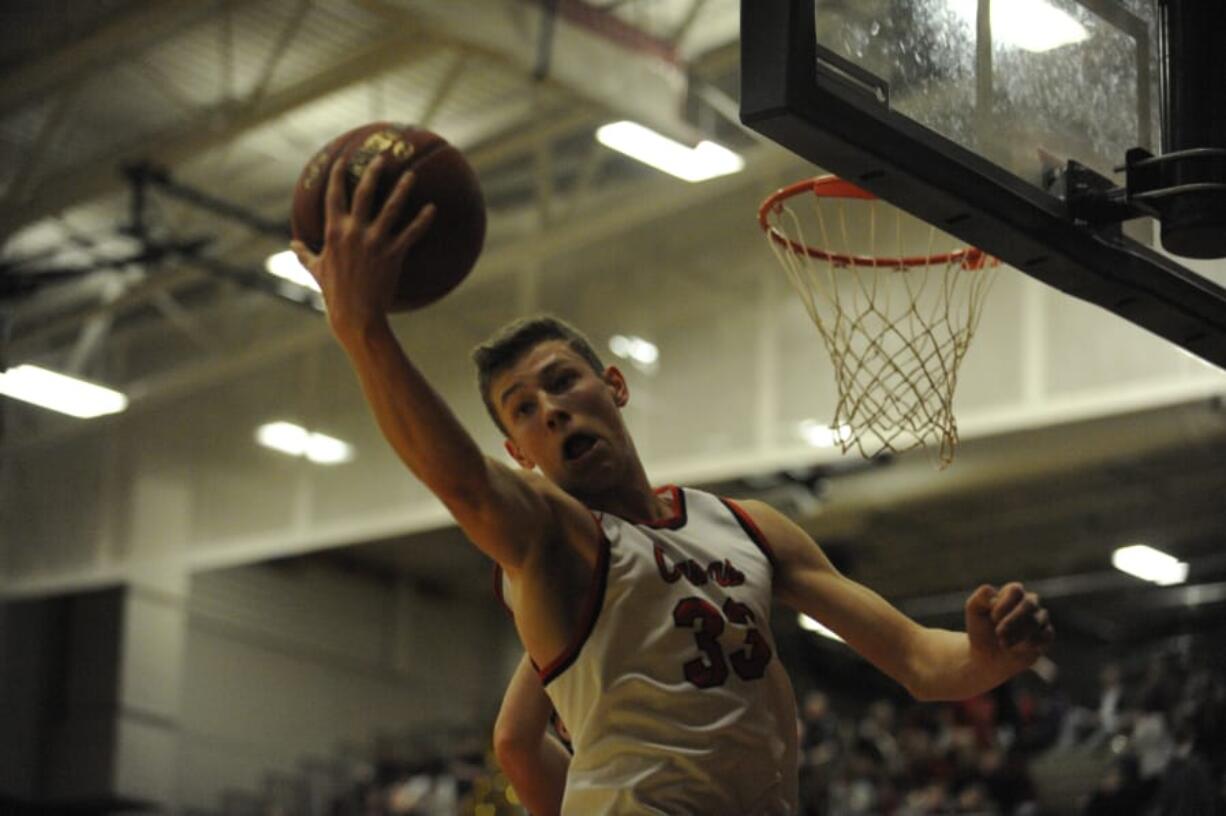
x=556 y=416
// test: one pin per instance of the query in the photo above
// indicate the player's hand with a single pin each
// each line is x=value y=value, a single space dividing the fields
x=1008 y=626
x=364 y=249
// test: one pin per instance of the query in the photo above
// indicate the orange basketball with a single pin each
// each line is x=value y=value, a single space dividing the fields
x=444 y=256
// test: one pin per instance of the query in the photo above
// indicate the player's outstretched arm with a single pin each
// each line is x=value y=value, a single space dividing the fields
x=1007 y=629
x=534 y=761
x=357 y=272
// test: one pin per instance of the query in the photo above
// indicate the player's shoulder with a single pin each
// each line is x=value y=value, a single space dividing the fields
x=777 y=530
x=758 y=510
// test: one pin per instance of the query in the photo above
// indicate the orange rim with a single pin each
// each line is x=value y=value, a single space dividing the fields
x=835 y=187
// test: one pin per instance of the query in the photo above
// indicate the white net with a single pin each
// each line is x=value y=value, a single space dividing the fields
x=897 y=328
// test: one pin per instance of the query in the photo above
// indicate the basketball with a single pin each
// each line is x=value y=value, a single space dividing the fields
x=446 y=253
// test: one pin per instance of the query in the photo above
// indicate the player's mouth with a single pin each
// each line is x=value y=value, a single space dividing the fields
x=578 y=445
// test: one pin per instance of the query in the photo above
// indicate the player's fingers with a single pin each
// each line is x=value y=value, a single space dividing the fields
x=335 y=205
x=1010 y=596
x=981 y=599
x=1022 y=620
x=416 y=229
x=304 y=255
x=364 y=195
x=1046 y=632
x=395 y=203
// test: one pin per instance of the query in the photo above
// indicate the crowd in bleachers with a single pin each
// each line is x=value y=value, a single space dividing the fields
x=421 y=777
x=1156 y=737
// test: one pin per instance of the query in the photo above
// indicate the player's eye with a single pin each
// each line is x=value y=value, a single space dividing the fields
x=564 y=380
x=523 y=409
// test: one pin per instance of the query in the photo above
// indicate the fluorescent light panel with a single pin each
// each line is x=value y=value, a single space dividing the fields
x=1150 y=564
x=59 y=392
x=294 y=440
x=285 y=265
x=634 y=348
x=807 y=623
x=326 y=450
x=823 y=436
x=1031 y=25
x=705 y=161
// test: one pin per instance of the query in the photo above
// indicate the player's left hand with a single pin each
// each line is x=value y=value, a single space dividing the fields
x=1008 y=625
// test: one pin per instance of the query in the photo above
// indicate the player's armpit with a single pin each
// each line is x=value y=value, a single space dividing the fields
x=514 y=513
x=807 y=581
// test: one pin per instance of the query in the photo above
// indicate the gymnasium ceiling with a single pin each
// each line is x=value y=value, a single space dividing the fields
x=220 y=102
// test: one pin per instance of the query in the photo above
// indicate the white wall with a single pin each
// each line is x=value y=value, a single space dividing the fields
x=288 y=662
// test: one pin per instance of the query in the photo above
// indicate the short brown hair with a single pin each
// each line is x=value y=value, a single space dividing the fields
x=507 y=345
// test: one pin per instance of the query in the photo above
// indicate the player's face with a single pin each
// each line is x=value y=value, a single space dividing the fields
x=564 y=418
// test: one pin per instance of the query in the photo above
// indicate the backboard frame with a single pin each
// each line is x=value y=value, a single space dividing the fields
x=809 y=100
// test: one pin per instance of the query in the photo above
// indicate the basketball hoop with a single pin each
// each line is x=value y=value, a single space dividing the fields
x=896 y=326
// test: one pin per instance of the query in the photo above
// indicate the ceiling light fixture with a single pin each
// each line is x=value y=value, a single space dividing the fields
x=285 y=265
x=1150 y=564
x=60 y=392
x=707 y=160
x=634 y=348
x=294 y=440
x=823 y=436
x=808 y=624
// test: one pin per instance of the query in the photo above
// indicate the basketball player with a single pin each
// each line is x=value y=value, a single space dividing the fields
x=645 y=611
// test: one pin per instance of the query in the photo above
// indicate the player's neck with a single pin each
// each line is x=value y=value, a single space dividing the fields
x=633 y=499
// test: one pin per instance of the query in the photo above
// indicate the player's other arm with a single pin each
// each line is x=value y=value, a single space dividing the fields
x=503 y=513
x=534 y=761
x=1007 y=629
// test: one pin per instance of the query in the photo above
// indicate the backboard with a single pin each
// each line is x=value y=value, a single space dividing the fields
x=966 y=112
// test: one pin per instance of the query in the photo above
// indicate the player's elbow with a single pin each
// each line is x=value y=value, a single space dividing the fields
x=513 y=738
x=512 y=747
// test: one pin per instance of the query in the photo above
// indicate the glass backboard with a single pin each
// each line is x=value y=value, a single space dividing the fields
x=966 y=114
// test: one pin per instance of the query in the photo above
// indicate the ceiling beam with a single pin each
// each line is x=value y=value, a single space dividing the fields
x=38 y=318
x=209 y=128
x=593 y=55
x=128 y=32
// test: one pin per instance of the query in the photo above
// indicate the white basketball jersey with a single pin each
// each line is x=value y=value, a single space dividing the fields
x=672 y=692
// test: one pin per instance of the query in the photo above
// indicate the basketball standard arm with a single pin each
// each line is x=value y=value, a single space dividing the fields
x=1007 y=629
x=503 y=513
x=534 y=761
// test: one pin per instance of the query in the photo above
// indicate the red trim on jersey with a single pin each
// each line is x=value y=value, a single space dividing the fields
x=677 y=520
x=751 y=529
x=591 y=611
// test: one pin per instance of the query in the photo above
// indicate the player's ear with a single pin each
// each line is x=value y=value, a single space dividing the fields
x=518 y=455
x=616 y=381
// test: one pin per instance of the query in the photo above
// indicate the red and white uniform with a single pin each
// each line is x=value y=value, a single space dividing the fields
x=672 y=691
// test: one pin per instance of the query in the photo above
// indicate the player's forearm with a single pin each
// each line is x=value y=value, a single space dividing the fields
x=415 y=420
x=946 y=668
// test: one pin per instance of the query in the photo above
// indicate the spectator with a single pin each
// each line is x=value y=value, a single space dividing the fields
x=1119 y=792
x=1187 y=788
